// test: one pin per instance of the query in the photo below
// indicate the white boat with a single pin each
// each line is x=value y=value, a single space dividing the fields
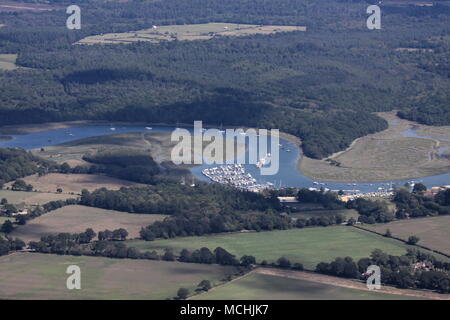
x=148 y=128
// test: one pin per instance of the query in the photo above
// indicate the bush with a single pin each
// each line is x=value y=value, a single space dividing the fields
x=298 y=266
x=283 y=263
x=182 y=293
x=412 y=240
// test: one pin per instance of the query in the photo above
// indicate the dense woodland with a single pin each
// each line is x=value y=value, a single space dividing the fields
x=18 y=163
x=132 y=166
x=371 y=211
x=415 y=204
x=408 y=204
x=205 y=209
x=174 y=198
x=320 y=85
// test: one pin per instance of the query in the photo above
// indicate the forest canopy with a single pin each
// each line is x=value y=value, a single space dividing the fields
x=322 y=85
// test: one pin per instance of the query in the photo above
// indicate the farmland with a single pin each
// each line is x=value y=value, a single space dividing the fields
x=187 y=32
x=75 y=219
x=32 y=198
x=8 y=61
x=433 y=232
x=258 y=286
x=308 y=246
x=74 y=183
x=39 y=276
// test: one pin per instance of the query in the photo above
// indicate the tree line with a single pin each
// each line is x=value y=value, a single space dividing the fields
x=17 y=163
x=414 y=270
x=137 y=167
x=416 y=204
x=9 y=244
x=407 y=205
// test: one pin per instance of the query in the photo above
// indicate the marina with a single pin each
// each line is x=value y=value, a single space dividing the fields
x=287 y=176
x=235 y=175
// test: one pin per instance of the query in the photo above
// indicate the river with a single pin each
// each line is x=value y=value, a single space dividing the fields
x=287 y=176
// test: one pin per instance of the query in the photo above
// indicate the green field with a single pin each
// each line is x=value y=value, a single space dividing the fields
x=270 y=287
x=308 y=246
x=8 y=61
x=188 y=32
x=43 y=276
x=433 y=232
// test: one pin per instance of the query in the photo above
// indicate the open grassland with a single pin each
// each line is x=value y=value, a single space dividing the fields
x=187 y=32
x=434 y=232
x=43 y=276
x=308 y=246
x=74 y=183
x=8 y=61
x=384 y=156
x=158 y=144
x=32 y=198
x=72 y=152
x=76 y=218
x=10 y=6
x=259 y=286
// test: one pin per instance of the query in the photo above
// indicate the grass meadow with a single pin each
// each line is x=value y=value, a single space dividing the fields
x=43 y=276
x=308 y=246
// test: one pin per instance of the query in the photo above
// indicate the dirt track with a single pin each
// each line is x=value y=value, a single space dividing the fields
x=347 y=283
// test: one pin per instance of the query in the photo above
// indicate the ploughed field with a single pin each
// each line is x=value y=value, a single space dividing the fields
x=76 y=219
x=32 y=198
x=433 y=232
x=273 y=287
x=74 y=183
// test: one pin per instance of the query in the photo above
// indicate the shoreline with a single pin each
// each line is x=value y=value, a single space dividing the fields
x=306 y=166
x=300 y=163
